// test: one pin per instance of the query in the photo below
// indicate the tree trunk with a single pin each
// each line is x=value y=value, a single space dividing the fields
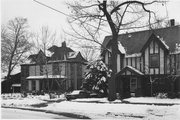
x=112 y=82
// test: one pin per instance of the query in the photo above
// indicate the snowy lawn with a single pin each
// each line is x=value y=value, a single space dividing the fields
x=102 y=108
x=110 y=110
x=22 y=102
x=16 y=100
x=152 y=100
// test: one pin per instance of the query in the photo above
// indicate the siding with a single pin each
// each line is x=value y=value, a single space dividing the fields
x=29 y=85
x=37 y=70
x=32 y=70
x=118 y=63
x=156 y=48
x=146 y=60
x=161 y=61
x=133 y=62
x=106 y=58
x=37 y=85
x=50 y=70
x=138 y=63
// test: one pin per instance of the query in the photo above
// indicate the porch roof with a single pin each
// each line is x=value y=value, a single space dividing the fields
x=16 y=85
x=45 y=77
x=131 y=69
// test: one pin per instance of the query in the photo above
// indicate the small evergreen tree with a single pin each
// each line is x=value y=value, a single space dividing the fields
x=96 y=80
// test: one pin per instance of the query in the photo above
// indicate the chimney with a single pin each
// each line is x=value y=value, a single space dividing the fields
x=172 y=22
x=64 y=44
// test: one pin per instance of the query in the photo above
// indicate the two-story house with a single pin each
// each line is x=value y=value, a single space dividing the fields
x=56 y=69
x=148 y=62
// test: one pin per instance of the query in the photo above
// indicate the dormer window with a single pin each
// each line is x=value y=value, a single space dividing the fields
x=154 y=60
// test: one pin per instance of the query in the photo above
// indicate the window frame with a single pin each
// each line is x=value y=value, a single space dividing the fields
x=152 y=61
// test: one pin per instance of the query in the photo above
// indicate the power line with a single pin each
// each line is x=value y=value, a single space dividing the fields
x=65 y=14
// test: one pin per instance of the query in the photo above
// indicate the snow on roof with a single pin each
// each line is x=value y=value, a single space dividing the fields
x=45 y=77
x=75 y=92
x=121 y=48
x=136 y=70
x=163 y=42
x=134 y=55
x=16 y=85
x=73 y=54
x=49 y=53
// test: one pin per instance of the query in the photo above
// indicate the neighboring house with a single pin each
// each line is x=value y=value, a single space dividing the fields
x=61 y=69
x=13 y=85
x=148 y=61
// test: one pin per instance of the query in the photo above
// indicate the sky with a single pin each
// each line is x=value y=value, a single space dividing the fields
x=39 y=15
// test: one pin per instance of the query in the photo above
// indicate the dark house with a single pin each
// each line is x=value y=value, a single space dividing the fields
x=148 y=62
x=12 y=85
x=57 y=69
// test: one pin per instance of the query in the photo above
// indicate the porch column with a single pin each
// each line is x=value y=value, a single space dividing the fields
x=29 y=85
x=37 y=85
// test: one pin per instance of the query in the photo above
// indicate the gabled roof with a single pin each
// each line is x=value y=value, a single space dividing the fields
x=131 y=69
x=133 y=42
x=76 y=56
x=153 y=37
x=34 y=57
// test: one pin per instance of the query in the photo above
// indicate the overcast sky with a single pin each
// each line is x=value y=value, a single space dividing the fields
x=39 y=15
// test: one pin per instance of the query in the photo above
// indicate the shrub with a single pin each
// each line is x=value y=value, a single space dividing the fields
x=162 y=95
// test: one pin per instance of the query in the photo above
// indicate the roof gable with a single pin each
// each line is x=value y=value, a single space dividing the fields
x=153 y=37
x=77 y=57
x=133 y=42
x=131 y=69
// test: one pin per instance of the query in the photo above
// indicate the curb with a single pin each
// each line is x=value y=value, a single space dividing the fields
x=127 y=102
x=70 y=115
x=158 y=104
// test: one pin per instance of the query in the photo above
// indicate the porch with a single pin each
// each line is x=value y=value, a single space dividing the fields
x=132 y=82
x=48 y=83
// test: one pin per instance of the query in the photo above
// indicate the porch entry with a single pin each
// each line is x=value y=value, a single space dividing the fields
x=129 y=81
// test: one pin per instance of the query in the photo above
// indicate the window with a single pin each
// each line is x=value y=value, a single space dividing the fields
x=109 y=59
x=133 y=84
x=154 y=60
x=33 y=85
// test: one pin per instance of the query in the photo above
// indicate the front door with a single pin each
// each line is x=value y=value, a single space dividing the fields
x=133 y=85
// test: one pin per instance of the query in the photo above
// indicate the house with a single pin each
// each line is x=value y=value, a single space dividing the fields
x=56 y=69
x=148 y=62
x=13 y=85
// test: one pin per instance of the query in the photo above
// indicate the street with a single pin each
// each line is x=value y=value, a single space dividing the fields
x=7 y=113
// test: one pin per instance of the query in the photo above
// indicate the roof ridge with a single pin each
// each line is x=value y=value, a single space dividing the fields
x=145 y=30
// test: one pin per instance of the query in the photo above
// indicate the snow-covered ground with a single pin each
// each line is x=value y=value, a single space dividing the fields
x=110 y=110
x=25 y=114
x=152 y=100
x=101 y=108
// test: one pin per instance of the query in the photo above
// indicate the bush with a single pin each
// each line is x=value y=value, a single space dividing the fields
x=172 y=95
x=162 y=95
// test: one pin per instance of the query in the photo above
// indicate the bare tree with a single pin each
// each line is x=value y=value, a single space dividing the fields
x=14 y=44
x=90 y=52
x=93 y=17
x=42 y=41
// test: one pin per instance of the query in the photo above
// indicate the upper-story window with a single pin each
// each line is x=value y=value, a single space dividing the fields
x=154 y=60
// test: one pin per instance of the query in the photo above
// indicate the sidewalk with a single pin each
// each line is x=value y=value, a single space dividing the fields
x=135 y=100
x=66 y=114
